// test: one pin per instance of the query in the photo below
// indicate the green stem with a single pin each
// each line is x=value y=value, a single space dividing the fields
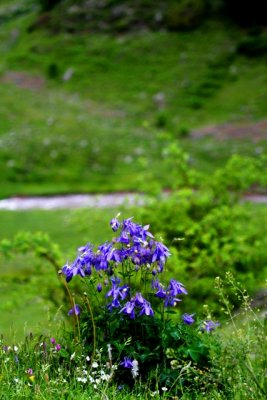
x=93 y=324
x=72 y=303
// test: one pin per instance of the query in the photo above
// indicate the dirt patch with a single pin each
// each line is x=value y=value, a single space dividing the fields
x=256 y=131
x=24 y=80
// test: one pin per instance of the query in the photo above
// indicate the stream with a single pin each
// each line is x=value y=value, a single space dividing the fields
x=90 y=200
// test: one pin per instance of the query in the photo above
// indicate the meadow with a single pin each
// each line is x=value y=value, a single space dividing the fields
x=140 y=111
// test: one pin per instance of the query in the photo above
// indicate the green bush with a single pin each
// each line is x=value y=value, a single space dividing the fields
x=218 y=232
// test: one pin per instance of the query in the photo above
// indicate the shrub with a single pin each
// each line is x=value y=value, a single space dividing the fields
x=208 y=229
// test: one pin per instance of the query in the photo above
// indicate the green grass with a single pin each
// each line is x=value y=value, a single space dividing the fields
x=28 y=284
x=101 y=130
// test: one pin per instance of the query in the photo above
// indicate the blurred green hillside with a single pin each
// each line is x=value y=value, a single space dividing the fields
x=91 y=110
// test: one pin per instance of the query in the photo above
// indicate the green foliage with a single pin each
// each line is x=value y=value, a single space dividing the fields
x=225 y=365
x=41 y=247
x=253 y=46
x=209 y=230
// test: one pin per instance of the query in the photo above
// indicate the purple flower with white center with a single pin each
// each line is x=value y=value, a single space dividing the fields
x=155 y=284
x=188 y=319
x=130 y=226
x=161 y=293
x=210 y=326
x=105 y=248
x=67 y=270
x=115 y=224
x=118 y=293
x=161 y=253
x=171 y=301
x=30 y=371
x=128 y=309
x=114 y=304
x=176 y=288
x=75 y=310
x=114 y=255
x=146 y=309
x=124 y=238
x=139 y=299
x=77 y=268
x=86 y=248
x=127 y=363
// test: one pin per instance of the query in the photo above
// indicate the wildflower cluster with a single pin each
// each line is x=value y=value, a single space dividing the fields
x=126 y=273
x=96 y=373
x=133 y=250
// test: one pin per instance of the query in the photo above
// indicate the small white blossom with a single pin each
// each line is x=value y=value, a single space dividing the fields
x=83 y=380
x=95 y=364
x=135 y=368
x=109 y=352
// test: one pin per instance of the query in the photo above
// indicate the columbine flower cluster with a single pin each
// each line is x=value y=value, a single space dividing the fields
x=136 y=249
x=134 y=243
x=134 y=255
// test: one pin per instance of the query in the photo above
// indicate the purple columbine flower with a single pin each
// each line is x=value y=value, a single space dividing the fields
x=115 y=224
x=210 y=326
x=170 y=301
x=124 y=238
x=114 y=255
x=127 y=363
x=155 y=284
x=128 y=309
x=161 y=293
x=176 y=288
x=99 y=288
x=75 y=310
x=53 y=340
x=161 y=253
x=146 y=309
x=57 y=347
x=188 y=319
x=139 y=299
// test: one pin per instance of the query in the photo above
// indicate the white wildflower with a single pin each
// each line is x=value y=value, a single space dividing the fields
x=95 y=364
x=81 y=379
x=72 y=356
x=109 y=352
x=135 y=368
